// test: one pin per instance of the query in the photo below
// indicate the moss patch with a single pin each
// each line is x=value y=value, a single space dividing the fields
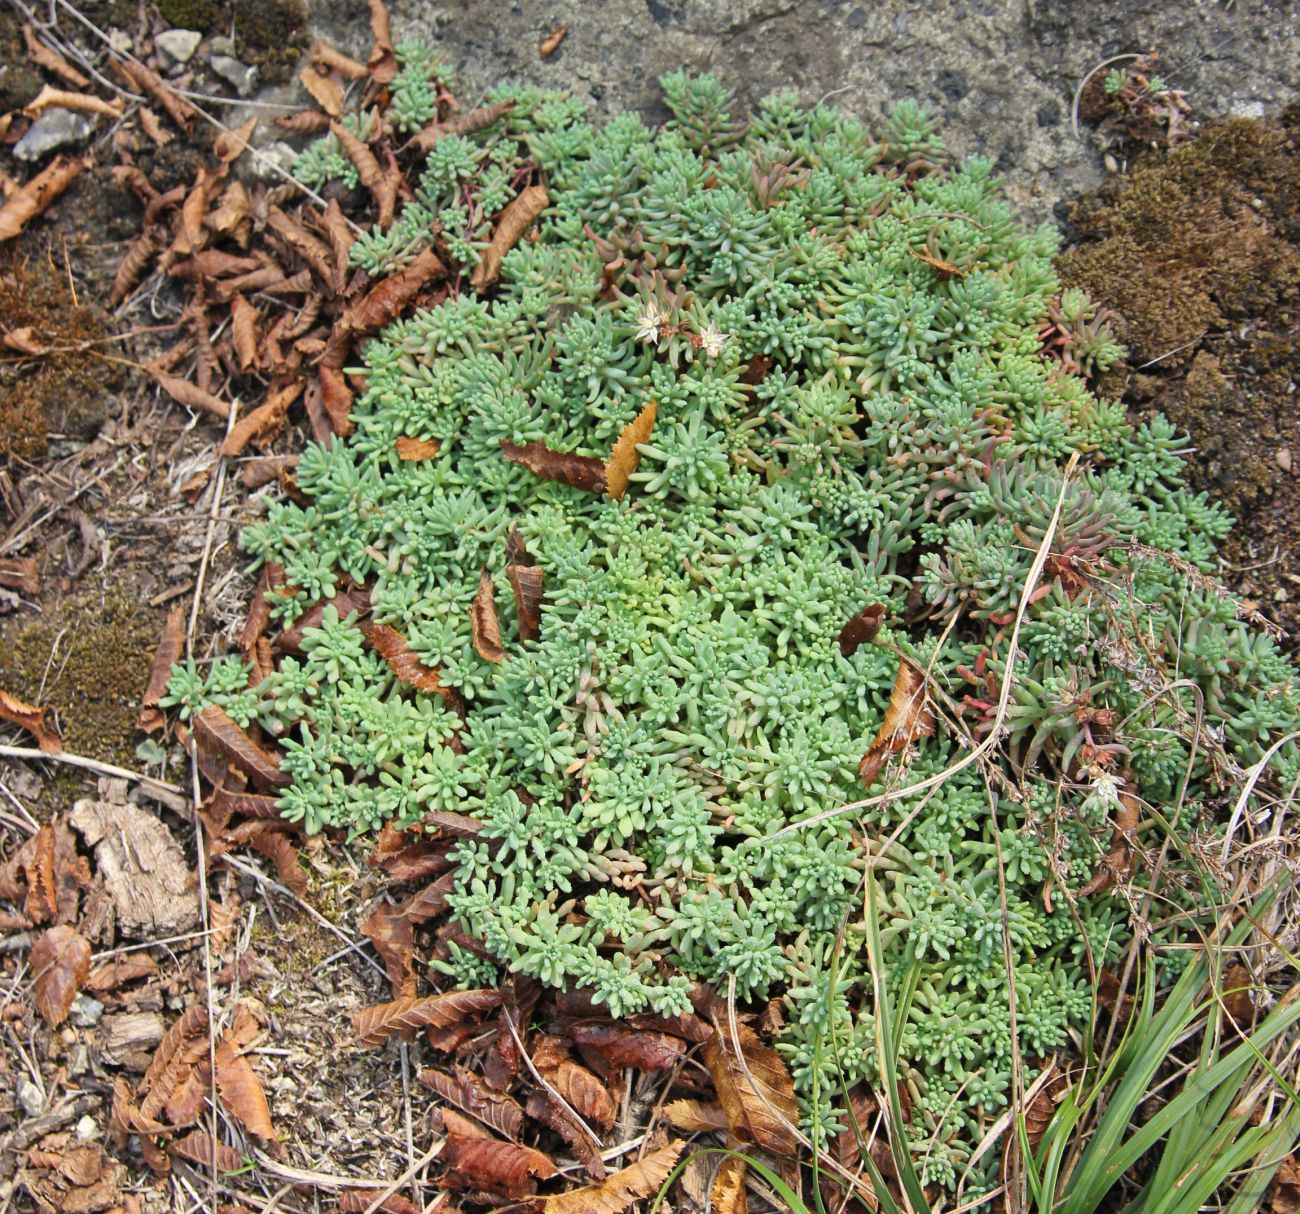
x=19 y=81
x=270 y=33
x=62 y=391
x=1199 y=254
x=93 y=653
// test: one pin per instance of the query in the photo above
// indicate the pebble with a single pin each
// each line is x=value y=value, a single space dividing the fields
x=87 y=1129
x=54 y=129
x=86 y=1011
x=178 y=46
x=30 y=1097
x=241 y=75
x=273 y=154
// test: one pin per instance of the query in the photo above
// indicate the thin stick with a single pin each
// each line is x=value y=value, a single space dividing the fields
x=171 y=795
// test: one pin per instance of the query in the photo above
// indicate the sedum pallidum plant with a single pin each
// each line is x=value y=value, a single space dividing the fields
x=867 y=393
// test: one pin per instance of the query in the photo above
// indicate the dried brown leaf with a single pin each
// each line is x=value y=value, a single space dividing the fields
x=485 y=628
x=336 y=397
x=20 y=573
x=756 y=1091
x=382 y=61
x=233 y=214
x=201 y=1148
x=85 y=103
x=170 y=647
x=243 y=331
x=185 y=393
x=229 y=146
x=469 y=1094
x=944 y=270
x=515 y=220
x=406 y=1016
x=52 y=61
x=385 y=301
x=623 y=459
x=410 y=449
x=354 y=599
x=30 y=200
x=139 y=257
x=30 y=717
x=357 y=1201
x=382 y=187
x=216 y=733
x=325 y=91
x=60 y=962
x=727 y=1196
x=584 y=472
x=623 y=1189
x=551 y=43
x=580 y=1089
x=278 y=847
x=391 y=933
x=496 y=1167
x=24 y=341
x=242 y=1092
x=392 y=647
x=264 y=423
x=304 y=122
x=697 y=1116
x=526 y=582
x=324 y=55
x=185 y=1043
x=621 y=1046
x=461 y=124
x=35 y=860
x=119 y=970
x=305 y=245
x=180 y=111
x=907 y=717
x=153 y=127
x=861 y=629
x=1117 y=863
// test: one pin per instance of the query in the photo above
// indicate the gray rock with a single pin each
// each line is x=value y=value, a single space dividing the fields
x=241 y=75
x=54 y=129
x=223 y=44
x=177 y=46
x=86 y=1011
x=274 y=155
x=30 y=1097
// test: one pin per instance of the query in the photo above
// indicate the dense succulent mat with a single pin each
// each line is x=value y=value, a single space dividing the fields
x=692 y=523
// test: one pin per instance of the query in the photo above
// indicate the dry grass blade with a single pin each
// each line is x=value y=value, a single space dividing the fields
x=30 y=200
x=623 y=459
x=515 y=220
x=60 y=959
x=30 y=717
x=907 y=717
x=404 y=1016
x=623 y=1189
x=756 y=1092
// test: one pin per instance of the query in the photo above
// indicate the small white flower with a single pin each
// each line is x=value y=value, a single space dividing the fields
x=1105 y=786
x=647 y=324
x=712 y=339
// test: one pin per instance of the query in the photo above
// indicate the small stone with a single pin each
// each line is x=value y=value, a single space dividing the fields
x=272 y=156
x=54 y=129
x=30 y=1097
x=86 y=1011
x=241 y=75
x=223 y=44
x=1283 y=458
x=178 y=46
x=87 y=1129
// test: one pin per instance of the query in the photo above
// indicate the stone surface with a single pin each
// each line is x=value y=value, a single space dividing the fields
x=178 y=46
x=54 y=129
x=86 y=1011
x=1000 y=73
x=242 y=76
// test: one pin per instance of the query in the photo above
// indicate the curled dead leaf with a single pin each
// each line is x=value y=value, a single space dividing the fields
x=485 y=628
x=492 y=1166
x=242 y=1092
x=584 y=472
x=621 y=1046
x=385 y=300
x=468 y=1093
x=382 y=186
x=861 y=629
x=325 y=91
x=324 y=55
x=727 y=1196
x=411 y=449
x=907 y=717
x=180 y=111
x=60 y=963
x=216 y=733
x=229 y=146
x=392 y=647
x=697 y=1116
x=264 y=423
x=84 y=103
x=185 y=393
x=462 y=124
x=201 y=1148
x=623 y=1189
x=170 y=648
x=551 y=43
x=580 y=1089
x=30 y=200
x=44 y=57
x=623 y=459
x=30 y=717
x=755 y=1089
x=526 y=582
x=243 y=331
x=405 y=1016
x=515 y=220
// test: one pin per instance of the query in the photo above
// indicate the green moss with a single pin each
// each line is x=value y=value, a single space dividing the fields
x=191 y=14
x=270 y=33
x=88 y=657
x=19 y=80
